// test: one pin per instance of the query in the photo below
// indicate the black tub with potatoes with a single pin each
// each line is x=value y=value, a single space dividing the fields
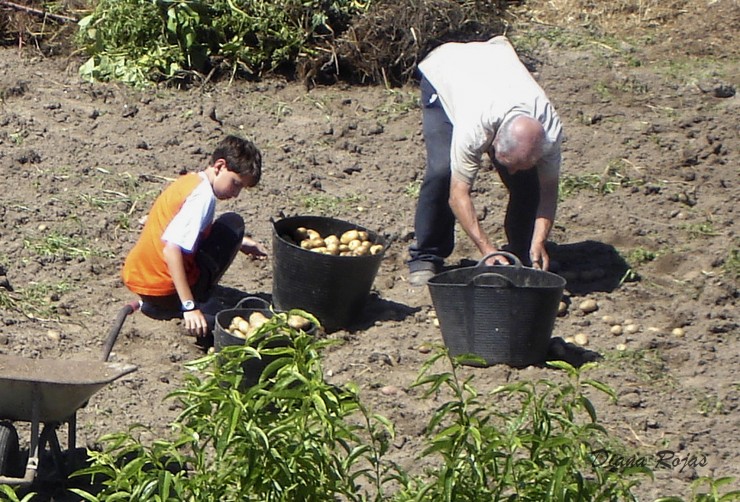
x=333 y=288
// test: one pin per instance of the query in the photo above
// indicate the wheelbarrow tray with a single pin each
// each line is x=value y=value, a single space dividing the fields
x=58 y=386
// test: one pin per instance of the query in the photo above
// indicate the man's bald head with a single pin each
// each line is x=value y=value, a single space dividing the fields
x=519 y=143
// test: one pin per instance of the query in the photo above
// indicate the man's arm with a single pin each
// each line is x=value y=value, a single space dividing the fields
x=543 y=224
x=462 y=207
x=195 y=322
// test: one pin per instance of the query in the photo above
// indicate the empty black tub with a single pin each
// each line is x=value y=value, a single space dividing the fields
x=503 y=314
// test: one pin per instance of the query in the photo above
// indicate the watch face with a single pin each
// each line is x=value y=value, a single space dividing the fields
x=188 y=305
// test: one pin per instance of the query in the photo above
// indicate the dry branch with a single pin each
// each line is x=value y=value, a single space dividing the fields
x=38 y=12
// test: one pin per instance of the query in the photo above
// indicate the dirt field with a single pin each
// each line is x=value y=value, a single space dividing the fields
x=651 y=235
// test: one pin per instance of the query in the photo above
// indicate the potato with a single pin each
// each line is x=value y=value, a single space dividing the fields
x=332 y=248
x=376 y=249
x=237 y=333
x=581 y=339
x=354 y=244
x=588 y=306
x=313 y=234
x=313 y=243
x=363 y=235
x=301 y=233
x=362 y=249
x=348 y=236
x=320 y=249
x=243 y=326
x=331 y=240
x=257 y=319
x=343 y=248
x=298 y=321
x=234 y=324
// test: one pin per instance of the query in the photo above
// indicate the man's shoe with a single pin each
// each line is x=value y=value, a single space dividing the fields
x=420 y=277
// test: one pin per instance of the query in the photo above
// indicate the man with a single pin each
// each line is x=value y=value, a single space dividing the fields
x=478 y=98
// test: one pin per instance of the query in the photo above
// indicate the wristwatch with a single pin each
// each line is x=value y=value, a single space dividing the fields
x=188 y=305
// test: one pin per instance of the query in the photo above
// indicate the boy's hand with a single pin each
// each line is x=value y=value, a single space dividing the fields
x=253 y=248
x=195 y=322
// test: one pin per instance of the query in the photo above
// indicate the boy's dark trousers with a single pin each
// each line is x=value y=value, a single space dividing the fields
x=434 y=222
x=213 y=257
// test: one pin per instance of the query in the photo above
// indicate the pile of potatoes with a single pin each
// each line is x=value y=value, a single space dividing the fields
x=244 y=328
x=350 y=243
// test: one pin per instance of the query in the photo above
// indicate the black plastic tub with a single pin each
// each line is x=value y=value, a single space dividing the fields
x=253 y=368
x=503 y=314
x=335 y=289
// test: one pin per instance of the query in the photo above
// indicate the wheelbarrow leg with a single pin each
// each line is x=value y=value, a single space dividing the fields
x=72 y=432
x=49 y=437
x=33 y=452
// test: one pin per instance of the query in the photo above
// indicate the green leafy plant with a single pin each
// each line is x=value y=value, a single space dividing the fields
x=706 y=489
x=329 y=205
x=609 y=181
x=34 y=301
x=731 y=266
x=639 y=256
x=285 y=435
x=56 y=244
x=174 y=38
x=536 y=443
x=701 y=230
x=412 y=189
x=9 y=493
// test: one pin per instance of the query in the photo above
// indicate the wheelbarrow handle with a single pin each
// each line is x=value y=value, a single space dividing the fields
x=115 y=329
x=511 y=257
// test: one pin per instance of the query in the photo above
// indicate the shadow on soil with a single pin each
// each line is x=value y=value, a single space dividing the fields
x=590 y=266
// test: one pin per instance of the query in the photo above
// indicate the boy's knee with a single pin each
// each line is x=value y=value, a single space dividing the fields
x=232 y=221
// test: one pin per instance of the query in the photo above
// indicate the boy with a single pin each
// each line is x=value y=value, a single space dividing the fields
x=182 y=252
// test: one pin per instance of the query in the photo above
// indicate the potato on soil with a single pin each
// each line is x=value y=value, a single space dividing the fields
x=588 y=306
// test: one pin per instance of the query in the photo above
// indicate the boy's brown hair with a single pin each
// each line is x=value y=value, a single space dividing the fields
x=241 y=156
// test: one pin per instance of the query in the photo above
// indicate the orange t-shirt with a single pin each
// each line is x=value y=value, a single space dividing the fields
x=145 y=271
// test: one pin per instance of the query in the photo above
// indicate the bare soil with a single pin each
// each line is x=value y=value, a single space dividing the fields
x=654 y=243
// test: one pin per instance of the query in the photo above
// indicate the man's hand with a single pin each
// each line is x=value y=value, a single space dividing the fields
x=252 y=248
x=538 y=255
x=195 y=322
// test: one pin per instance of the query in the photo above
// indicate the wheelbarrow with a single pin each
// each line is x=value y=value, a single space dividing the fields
x=47 y=393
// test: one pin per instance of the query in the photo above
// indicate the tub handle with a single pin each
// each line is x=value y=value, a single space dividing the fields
x=511 y=257
x=250 y=301
x=491 y=279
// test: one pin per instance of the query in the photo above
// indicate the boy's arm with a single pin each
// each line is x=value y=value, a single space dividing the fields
x=195 y=322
